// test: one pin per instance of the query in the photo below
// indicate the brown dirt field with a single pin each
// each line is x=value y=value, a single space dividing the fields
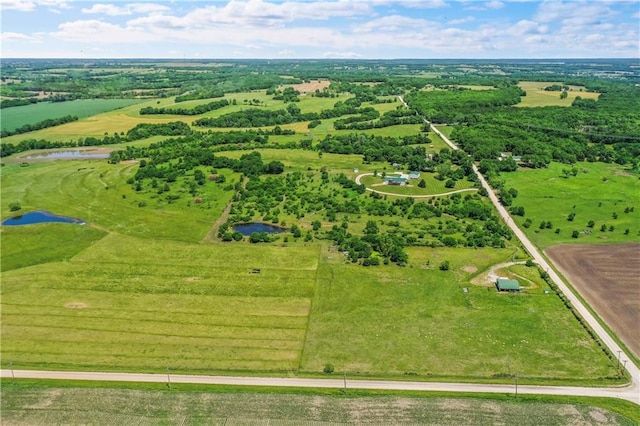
x=311 y=86
x=608 y=277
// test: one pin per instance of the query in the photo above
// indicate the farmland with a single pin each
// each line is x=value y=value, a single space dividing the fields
x=607 y=277
x=75 y=405
x=12 y=118
x=538 y=97
x=374 y=285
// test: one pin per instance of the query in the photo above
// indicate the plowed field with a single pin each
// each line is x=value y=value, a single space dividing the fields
x=608 y=277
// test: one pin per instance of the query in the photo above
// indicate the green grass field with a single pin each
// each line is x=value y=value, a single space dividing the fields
x=96 y=192
x=12 y=118
x=599 y=192
x=536 y=96
x=35 y=404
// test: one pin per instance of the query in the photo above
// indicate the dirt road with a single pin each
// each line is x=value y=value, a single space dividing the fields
x=604 y=336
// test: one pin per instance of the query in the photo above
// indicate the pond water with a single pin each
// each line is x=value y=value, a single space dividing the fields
x=40 y=216
x=250 y=228
x=68 y=155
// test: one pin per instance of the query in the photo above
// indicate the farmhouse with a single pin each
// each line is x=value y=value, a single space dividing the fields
x=504 y=284
x=394 y=180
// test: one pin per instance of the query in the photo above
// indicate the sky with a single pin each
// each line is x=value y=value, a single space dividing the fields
x=367 y=29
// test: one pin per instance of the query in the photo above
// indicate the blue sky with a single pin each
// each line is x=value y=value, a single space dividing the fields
x=320 y=29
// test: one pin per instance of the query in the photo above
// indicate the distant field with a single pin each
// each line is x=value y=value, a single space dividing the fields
x=15 y=117
x=34 y=405
x=599 y=192
x=536 y=96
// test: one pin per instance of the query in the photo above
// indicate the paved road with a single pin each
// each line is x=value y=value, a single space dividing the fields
x=408 y=195
x=627 y=393
x=613 y=346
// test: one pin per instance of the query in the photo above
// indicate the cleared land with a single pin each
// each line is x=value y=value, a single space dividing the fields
x=71 y=405
x=606 y=194
x=608 y=277
x=537 y=96
x=12 y=118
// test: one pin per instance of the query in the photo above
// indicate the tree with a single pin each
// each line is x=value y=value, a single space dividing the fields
x=575 y=234
x=444 y=266
x=371 y=228
x=316 y=225
x=15 y=206
x=591 y=224
x=328 y=368
x=564 y=94
x=422 y=184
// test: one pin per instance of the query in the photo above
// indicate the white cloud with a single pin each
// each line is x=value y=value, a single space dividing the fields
x=30 y=5
x=495 y=4
x=461 y=20
x=14 y=36
x=341 y=55
x=95 y=31
x=412 y=4
x=128 y=9
x=393 y=23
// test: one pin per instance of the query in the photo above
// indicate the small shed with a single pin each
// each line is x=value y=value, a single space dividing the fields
x=414 y=174
x=505 y=284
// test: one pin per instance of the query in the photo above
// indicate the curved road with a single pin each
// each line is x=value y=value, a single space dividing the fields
x=408 y=195
x=604 y=336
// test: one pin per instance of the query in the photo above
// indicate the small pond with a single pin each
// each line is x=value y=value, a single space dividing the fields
x=40 y=216
x=250 y=228
x=67 y=155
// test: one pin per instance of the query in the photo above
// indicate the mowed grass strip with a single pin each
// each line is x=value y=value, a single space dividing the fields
x=139 y=308
x=31 y=245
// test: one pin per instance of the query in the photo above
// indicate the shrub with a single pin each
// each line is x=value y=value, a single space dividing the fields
x=15 y=206
x=444 y=266
x=328 y=368
x=575 y=234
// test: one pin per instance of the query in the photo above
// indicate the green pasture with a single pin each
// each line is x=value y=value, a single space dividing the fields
x=434 y=186
x=537 y=97
x=138 y=305
x=56 y=242
x=418 y=321
x=12 y=118
x=26 y=402
x=97 y=193
x=597 y=193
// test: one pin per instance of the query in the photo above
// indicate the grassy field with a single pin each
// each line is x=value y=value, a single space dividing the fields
x=96 y=192
x=36 y=404
x=599 y=193
x=536 y=96
x=139 y=305
x=419 y=321
x=12 y=118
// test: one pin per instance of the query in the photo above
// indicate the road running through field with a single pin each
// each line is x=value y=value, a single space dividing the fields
x=409 y=195
x=628 y=393
x=623 y=358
